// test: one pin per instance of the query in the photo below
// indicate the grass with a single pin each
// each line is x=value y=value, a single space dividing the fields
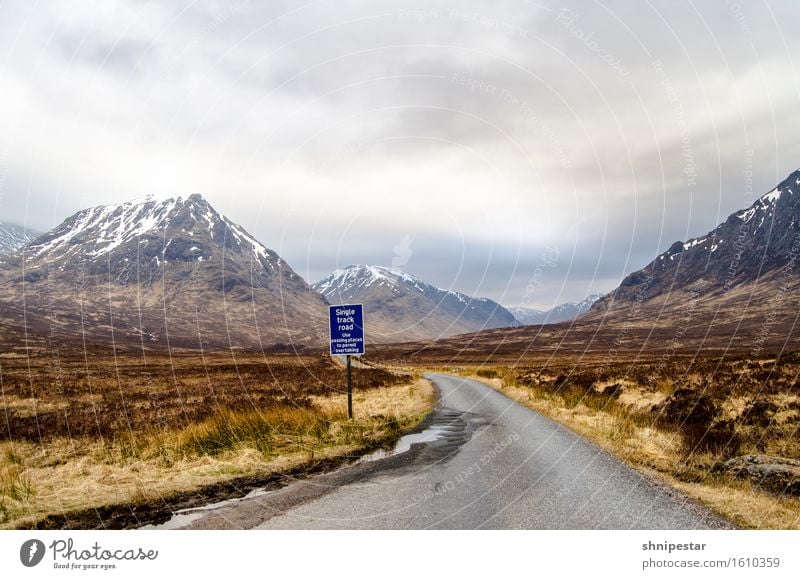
x=106 y=397
x=281 y=426
x=677 y=421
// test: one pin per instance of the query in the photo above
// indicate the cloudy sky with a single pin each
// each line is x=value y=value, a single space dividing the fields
x=531 y=152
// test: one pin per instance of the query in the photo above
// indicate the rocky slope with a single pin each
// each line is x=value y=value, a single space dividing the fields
x=744 y=271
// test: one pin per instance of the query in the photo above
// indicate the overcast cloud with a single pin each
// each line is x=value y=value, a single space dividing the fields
x=531 y=152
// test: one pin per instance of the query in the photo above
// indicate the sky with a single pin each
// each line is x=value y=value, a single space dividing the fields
x=529 y=152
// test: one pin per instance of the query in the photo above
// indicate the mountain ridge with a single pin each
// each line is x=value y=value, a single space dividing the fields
x=403 y=307
x=749 y=248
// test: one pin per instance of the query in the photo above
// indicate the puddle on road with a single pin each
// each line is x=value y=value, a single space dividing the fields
x=177 y=521
x=183 y=517
x=404 y=444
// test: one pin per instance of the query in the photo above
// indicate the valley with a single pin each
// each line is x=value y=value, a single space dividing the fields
x=343 y=267
x=155 y=353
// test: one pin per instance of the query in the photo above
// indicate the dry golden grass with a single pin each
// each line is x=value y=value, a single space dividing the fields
x=616 y=425
x=31 y=407
x=62 y=474
x=107 y=396
x=745 y=506
x=398 y=401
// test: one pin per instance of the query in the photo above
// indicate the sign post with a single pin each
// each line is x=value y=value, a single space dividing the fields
x=349 y=388
x=347 y=339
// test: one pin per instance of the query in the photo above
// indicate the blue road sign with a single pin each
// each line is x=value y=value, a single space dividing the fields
x=347 y=329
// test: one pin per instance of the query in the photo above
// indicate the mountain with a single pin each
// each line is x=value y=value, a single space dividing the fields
x=734 y=290
x=528 y=316
x=745 y=266
x=12 y=237
x=560 y=313
x=399 y=307
x=157 y=273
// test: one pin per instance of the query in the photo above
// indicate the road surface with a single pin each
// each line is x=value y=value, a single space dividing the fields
x=488 y=463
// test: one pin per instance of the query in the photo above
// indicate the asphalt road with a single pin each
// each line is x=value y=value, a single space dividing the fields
x=488 y=463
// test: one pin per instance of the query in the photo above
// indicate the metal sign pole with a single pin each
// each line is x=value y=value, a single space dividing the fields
x=349 y=389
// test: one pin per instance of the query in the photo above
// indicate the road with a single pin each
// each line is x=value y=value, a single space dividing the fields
x=489 y=463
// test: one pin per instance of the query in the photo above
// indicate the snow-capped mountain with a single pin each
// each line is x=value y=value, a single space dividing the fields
x=529 y=316
x=749 y=258
x=560 y=313
x=149 y=230
x=399 y=307
x=12 y=237
x=169 y=272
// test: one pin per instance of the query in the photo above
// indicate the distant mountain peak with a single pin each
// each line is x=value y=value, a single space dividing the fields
x=13 y=237
x=163 y=227
x=162 y=198
x=402 y=306
x=559 y=313
x=358 y=276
